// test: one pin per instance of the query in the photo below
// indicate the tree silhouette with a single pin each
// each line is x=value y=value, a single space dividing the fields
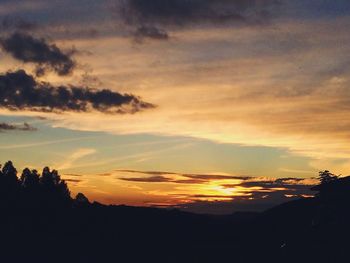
x=329 y=183
x=54 y=189
x=326 y=177
x=81 y=200
x=32 y=190
x=29 y=179
x=9 y=185
x=47 y=179
x=10 y=174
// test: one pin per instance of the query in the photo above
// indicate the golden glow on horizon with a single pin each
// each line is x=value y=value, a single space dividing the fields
x=144 y=189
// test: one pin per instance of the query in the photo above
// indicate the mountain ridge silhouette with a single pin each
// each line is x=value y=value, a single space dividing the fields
x=41 y=222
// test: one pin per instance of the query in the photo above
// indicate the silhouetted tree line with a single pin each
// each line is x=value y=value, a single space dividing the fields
x=33 y=190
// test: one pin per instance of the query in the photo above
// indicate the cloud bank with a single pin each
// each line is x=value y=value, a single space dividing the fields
x=154 y=18
x=20 y=91
x=180 y=12
x=217 y=193
x=47 y=57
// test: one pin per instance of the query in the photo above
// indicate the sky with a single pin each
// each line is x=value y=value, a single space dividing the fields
x=207 y=106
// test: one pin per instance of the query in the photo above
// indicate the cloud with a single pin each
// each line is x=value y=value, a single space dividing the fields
x=280 y=184
x=208 y=177
x=150 y=32
x=252 y=185
x=77 y=155
x=225 y=92
x=46 y=56
x=162 y=179
x=14 y=127
x=180 y=12
x=42 y=143
x=256 y=195
x=177 y=178
x=20 y=7
x=14 y=23
x=152 y=179
x=219 y=194
x=20 y=91
x=73 y=175
x=73 y=180
x=154 y=17
x=144 y=172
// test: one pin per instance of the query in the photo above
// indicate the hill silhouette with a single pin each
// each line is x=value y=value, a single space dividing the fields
x=41 y=222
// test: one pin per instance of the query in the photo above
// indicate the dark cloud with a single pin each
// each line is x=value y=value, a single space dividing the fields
x=74 y=175
x=14 y=23
x=46 y=56
x=289 y=186
x=73 y=181
x=15 y=127
x=189 y=181
x=20 y=91
x=210 y=177
x=161 y=177
x=246 y=181
x=104 y=174
x=283 y=183
x=182 y=12
x=251 y=194
x=150 y=32
x=152 y=179
x=145 y=172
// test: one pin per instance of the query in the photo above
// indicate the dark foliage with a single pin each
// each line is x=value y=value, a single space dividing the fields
x=326 y=177
x=40 y=222
x=32 y=191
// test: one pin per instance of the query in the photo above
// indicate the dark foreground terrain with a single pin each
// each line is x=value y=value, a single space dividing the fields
x=40 y=222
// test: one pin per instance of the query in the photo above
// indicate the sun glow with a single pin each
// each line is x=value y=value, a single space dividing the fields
x=172 y=189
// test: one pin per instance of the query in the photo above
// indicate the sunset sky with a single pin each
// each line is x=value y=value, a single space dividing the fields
x=211 y=106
